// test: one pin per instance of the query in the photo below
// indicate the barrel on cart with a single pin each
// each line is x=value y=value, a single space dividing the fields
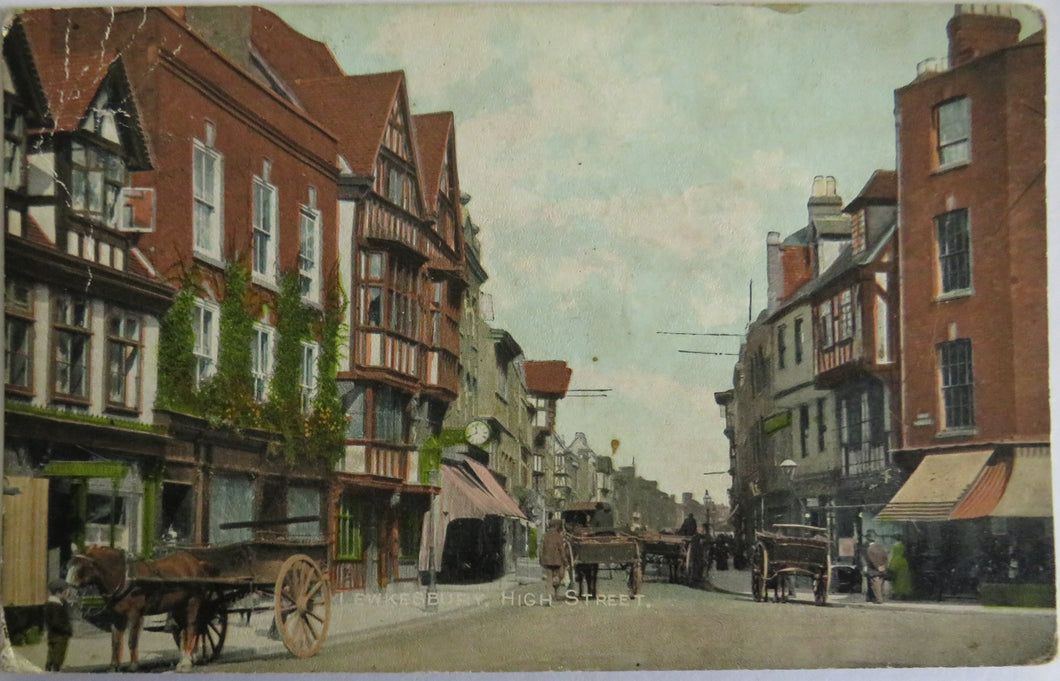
x=787 y=551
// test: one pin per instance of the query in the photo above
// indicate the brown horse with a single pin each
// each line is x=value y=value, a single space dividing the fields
x=110 y=570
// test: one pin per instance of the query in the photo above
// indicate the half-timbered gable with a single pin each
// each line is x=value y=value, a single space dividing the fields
x=856 y=342
x=447 y=281
x=387 y=242
x=82 y=309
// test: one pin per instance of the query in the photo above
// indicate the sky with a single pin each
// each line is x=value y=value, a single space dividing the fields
x=626 y=162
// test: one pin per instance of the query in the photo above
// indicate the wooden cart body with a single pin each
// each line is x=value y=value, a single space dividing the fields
x=293 y=574
x=672 y=550
x=622 y=550
x=787 y=551
x=590 y=539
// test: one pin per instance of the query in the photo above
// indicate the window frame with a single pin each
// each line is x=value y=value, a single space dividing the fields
x=262 y=366
x=96 y=166
x=954 y=253
x=264 y=272
x=309 y=266
x=961 y=144
x=213 y=205
x=797 y=334
x=123 y=340
x=308 y=380
x=956 y=381
x=204 y=372
x=19 y=315
x=69 y=328
x=825 y=313
x=782 y=346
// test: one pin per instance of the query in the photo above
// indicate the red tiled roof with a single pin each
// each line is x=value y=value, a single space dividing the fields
x=432 y=136
x=882 y=187
x=354 y=108
x=550 y=377
x=70 y=80
x=291 y=53
x=33 y=232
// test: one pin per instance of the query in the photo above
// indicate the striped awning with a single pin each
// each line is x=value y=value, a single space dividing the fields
x=1029 y=493
x=936 y=487
x=986 y=491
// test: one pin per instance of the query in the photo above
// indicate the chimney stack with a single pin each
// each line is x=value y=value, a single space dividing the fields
x=774 y=271
x=976 y=30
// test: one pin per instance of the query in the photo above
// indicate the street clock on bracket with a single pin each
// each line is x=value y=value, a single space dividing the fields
x=477 y=433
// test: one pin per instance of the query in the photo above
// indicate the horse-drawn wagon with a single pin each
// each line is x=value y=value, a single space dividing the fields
x=674 y=551
x=199 y=587
x=590 y=540
x=787 y=551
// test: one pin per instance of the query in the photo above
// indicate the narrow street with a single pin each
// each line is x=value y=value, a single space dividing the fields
x=675 y=627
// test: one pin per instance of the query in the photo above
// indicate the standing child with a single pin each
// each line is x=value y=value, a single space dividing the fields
x=57 y=620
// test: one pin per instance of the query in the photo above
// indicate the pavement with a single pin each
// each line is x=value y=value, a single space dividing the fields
x=353 y=614
x=739 y=582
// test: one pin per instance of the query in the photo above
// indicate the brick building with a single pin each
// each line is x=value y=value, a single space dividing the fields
x=974 y=344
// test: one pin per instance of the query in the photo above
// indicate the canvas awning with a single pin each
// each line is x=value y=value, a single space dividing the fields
x=986 y=491
x=511 y=508
x=1029 y=493
x=936 y=487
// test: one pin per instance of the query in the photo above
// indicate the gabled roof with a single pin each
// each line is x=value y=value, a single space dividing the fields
x=548 y=377
x=882 y=188
x=24 y=74
x=71 y=82
x=291 y=53
x=432 y=135
x=356 y=109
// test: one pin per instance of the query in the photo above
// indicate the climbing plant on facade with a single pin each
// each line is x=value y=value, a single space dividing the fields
x=227 y=399
x=326 y=424
x=294 y=327
x=176 y=352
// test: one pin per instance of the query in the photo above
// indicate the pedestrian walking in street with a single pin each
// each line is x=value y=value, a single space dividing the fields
x=553 y=558
x=57 y=622
x=876 y=571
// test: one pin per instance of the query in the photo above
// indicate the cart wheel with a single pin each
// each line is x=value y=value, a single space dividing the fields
x=821 y=584
x=213 y=628
x=759 y=570
x=303 y=605
x=636 y=573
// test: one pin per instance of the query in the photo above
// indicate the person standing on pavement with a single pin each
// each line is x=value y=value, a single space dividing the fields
x=899 y=572
x=876 y=571
x=57 y=621
x=553 y=558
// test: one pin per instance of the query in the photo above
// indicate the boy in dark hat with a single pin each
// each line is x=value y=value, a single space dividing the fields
x=57 y=620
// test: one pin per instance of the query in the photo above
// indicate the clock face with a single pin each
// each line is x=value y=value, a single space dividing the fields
x=477 y=432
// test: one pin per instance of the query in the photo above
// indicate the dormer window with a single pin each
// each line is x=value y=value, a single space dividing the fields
x=96 y=181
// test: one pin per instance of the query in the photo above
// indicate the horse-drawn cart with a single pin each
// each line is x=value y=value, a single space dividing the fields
x=289 y=572
x=590 y=540
x=788 y=551
x=672 y=550
x=198 y=587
